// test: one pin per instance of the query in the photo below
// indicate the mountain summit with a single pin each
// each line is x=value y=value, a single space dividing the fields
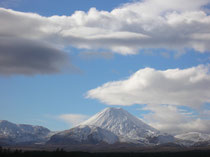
x=123 y=124
x=110 y=126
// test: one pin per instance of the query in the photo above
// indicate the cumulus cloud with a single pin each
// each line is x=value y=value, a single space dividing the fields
x=175 y=25
x=170 y=24
x=27 y=57
x=189 y=87
x=73 y=119
x=173 y=120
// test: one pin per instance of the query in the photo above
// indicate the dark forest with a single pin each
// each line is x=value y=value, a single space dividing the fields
x=62 y=153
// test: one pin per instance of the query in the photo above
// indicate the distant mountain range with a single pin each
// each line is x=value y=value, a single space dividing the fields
x=110 y=126
x=12 y=134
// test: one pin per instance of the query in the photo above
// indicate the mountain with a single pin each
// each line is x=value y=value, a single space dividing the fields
x=11 y=133
x=84 y=134
x=112 y=123
x=194 y=139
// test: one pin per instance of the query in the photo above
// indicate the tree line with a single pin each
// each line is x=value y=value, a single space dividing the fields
x=6 y=152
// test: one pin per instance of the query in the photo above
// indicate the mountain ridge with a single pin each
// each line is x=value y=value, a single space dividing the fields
x=11 y=133
x=110 y=126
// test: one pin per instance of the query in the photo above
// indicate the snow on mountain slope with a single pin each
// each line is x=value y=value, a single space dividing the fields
x=120 y=122
x=84 y=135
x=110 y=126
x=12 y=133
x=127 y=127
x=194 y=137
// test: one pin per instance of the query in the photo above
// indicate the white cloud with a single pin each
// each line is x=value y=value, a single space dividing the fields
x=73 y=119
x=167 y=24
x=172 y=120
x=189 y=87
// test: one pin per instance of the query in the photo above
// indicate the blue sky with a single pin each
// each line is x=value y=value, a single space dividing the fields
x=41 y=97
x=49 y=8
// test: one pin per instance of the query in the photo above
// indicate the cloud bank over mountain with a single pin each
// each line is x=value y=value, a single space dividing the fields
x=174 y=120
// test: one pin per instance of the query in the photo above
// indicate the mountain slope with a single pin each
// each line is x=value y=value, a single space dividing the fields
x=84 y=135
x=127 y=127
x=193 y=138
x=115 y=122
x=11 y=133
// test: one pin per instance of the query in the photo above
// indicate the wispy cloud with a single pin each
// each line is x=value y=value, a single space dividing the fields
x=165 y=54
x=96 y=55
x=9 y=3
x=73 y=119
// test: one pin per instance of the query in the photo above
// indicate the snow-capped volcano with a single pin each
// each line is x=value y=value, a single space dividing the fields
x=115 y=122
x=122 y=124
